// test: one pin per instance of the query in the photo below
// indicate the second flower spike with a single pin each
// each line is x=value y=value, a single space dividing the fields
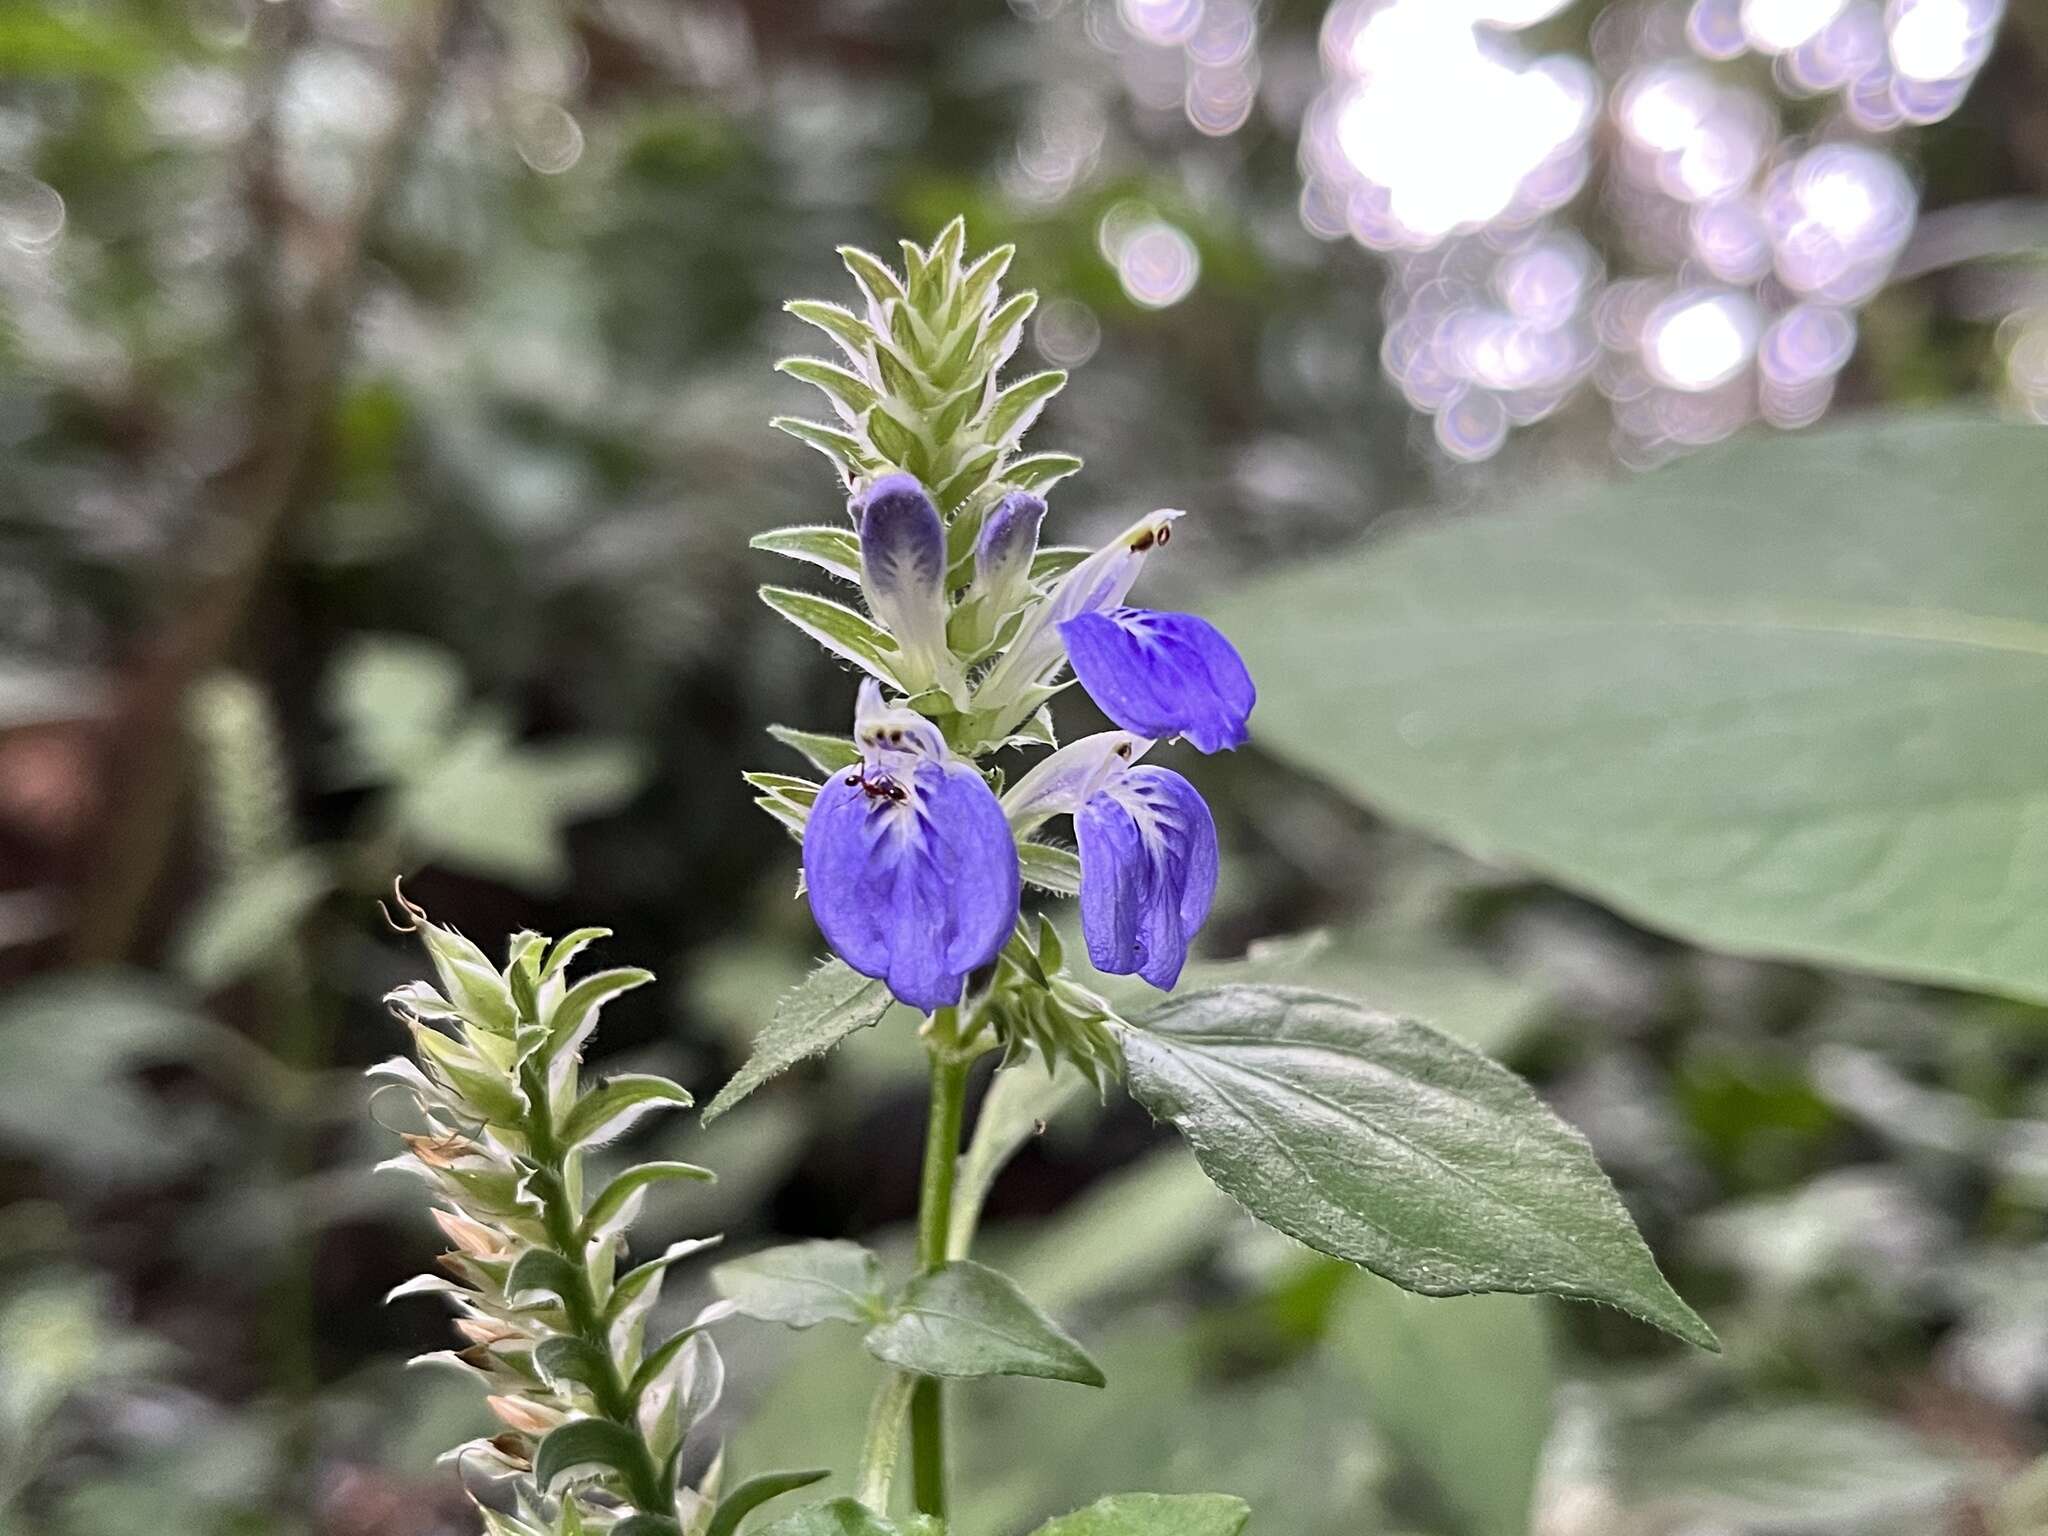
x=909 y=861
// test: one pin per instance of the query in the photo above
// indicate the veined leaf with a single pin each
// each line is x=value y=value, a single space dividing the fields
x=605 y=1112
x=839 y=629
x=1381 y=1141
x=812 y=1017
x=968 y=1320
x=835 y=551
x=803 y=1284
x=1154 y=1514
x=1779 y=699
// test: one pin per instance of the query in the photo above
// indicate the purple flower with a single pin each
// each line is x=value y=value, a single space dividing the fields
x=1002 y=553
x=1148 y=851
x=1148 y=873
x=903 y=574
x=909 y=861
x=1162 y=674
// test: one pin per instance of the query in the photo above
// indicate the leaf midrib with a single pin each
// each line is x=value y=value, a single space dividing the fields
x=1345 y=1112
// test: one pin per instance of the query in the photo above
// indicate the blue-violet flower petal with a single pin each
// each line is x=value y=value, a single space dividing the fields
x=910 y=865
x=1162 y=674
x=1148 y=873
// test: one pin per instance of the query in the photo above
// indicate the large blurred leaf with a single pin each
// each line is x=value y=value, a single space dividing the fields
x=463 y=791
x=1381 y=1141
x=72 y=1047
x=1154 y=1514
x=251 y=919
x=1780 y=699
x=1813 y=1470
x=1462 y=1387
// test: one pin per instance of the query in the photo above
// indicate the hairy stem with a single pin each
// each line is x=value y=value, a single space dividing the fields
x=645 y=1484
x=934 y=1216
x=884 y=1445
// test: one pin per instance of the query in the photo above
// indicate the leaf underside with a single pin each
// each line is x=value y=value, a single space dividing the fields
x=1780 y=699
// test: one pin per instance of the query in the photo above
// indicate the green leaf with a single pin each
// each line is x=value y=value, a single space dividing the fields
x=837 y=628
x=803 y=1284
x=567 y=1358
x=849 y=1517
x=753 y=1493
x=896 y=441
x=251 y=921
x=645 y=1525
x=848 y=452
x=540 y=1270
x=1154 y=1514
x=611 y=1200
x=1018 y=406
x=1381 y=1141
x=636 y=1280
x=876 y=280
x=606 y=1112
x=831 y=1003
x=586 y=1443
x=968 y=1320
x=487 y=1090
x=1041 y=471
x=1018 y=1103
x=827 y=754
x=842 y=325
x=569 y=947
x=832 y=550
x=1462 y=1386
x=576 y=1014
x=1777 y=699
x=849 y=393
x=1050 y=868
x=1799 y=1468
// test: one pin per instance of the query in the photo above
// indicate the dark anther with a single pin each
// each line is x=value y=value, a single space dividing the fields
x=1145 y=540
x=1165 y=533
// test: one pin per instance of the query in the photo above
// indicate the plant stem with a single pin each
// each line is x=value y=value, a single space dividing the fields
x=884 y=1444
x=934 y=1215
x=644 y=1480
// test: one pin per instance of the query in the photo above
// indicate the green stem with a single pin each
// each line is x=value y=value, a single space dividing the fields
x=884 y=1445
x=563 y=1222
x=934 y=1215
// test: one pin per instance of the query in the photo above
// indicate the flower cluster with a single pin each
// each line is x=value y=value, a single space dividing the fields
x=914 y=853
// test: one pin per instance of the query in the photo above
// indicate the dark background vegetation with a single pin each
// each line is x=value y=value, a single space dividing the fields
x=383 y=424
